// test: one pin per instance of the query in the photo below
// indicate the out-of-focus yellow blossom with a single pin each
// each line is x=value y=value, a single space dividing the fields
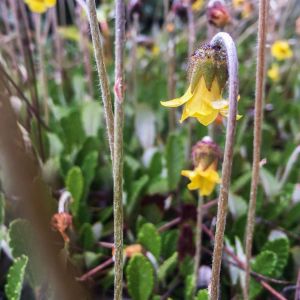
x=273 y=73
x=155 y=50
x=40 y=6
x=203 y=98
x=238 y=3
x=281 y=50
x=205 y=159
x=197 y=5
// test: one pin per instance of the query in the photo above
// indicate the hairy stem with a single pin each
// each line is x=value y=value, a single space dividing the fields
x=102 y=74
x=197 y=258
x=118 y=145
x=225 y=41
x=258 y=118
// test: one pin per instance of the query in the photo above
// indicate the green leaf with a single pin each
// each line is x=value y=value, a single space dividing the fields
x=202 y=295
x=265 y=264
x=169 y=242
x=281 y=248
x=135 y=191
x=175 y=159
x=149 y=237
x=140 y=277
x=155 y=167
x=22 y=241
x=75 y=184
x=2 y=209
x=167 y=267
x=73 y=133
x=89 y=169
x=87 y=236
x=269 y=182
x=91 y=118
x=15 y=278
x=189 y=287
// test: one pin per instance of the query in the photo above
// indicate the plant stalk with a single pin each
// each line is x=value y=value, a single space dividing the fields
x=102 y=73
x=197 y=259
x=118 y=146
x=258 y=119
x=225 y=41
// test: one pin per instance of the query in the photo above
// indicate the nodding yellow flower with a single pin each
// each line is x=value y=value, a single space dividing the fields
x=203 y=99
x=273 y=73
x=281 y=50
x=40 y=6
x=202 y=180
x=205 y=159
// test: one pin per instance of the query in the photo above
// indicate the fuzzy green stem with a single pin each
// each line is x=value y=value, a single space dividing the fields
x=118 y=145
x=258 y=118
x=102 y=73
x=225 y=41
x=198 y=240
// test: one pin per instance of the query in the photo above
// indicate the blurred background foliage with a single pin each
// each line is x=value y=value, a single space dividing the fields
x=160 y=212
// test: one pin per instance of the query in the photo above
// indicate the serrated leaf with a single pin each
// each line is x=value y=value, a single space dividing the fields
x=149 y=237
x=140 y=277
x=169 y=242
x=175 y=159
x=22 y=241
x=167 y=267
x=75 y=184
x=15 y=278
x=202 y=295
x=281 y=248
x=265 y=264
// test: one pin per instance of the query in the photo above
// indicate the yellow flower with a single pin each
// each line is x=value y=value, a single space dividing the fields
x=238 y=3
x=273 y=73
x=40 y=6
x=281 y=50
x=197 y=5
x=203 y=99
x=202 y=180
x=201 y=103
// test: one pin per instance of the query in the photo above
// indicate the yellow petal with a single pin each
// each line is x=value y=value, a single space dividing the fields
x=178 y=101
x=207 y=119
x=37 y=6
x=187 y=173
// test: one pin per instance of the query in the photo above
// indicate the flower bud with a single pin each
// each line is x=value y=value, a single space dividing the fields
x=206 y=154
x=209 y=62
x=217 y=13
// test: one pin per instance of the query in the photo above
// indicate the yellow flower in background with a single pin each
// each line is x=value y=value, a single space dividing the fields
x=273 y=73
x=40 y=6
x=197 y=5
x=281 y=50
x=204 y=177
x=202 y=180
x=238 y=3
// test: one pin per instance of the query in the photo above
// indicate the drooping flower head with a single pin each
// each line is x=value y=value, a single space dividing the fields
x=208 y=76
x=204 y=177
x=40 y=6
x=281 y=50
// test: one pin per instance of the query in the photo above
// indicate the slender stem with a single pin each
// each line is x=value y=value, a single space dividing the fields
x=297 y=293
x=259 y=94
x=191 y=28
x=118 y=145
x=103 y=77
x=225 y=41
x=40 y=44
x=197 y=259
